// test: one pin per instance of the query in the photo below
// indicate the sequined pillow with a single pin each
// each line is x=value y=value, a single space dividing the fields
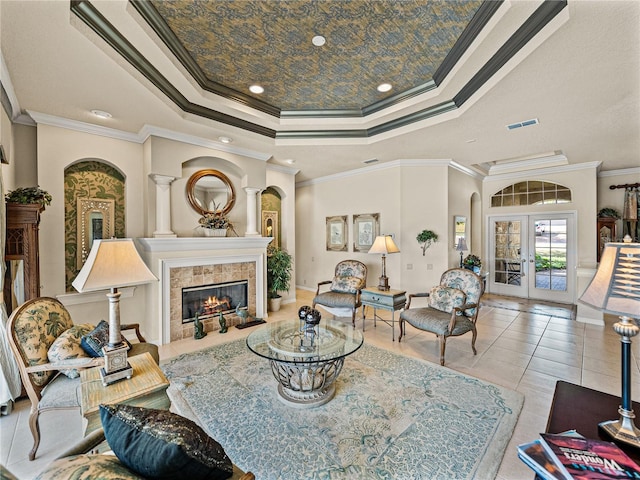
x=163 y=445
x=88 y=467
x=446 y=299
x=93 y=341
x=346 y=284
x=66 y=349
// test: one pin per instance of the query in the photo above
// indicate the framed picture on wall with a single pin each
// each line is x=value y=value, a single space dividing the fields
x=365 y=230
x=337 y=234
x=270 y=226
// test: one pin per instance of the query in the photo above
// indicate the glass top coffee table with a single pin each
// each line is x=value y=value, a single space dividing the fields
x=305 y=359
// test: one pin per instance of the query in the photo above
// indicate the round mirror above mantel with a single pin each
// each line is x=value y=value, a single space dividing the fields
x=210 y=191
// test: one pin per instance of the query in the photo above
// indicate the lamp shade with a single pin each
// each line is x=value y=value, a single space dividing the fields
x=384 y=244
x=462 y=245
x=615 y=288
x=112 y=263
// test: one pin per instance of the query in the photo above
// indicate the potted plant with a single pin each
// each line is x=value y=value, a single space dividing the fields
x=29 y=196
x=279 y=266
x=215 y=224
x=472 y=262
x=426 y=238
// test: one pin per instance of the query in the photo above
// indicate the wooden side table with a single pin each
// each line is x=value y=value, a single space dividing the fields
x=147 y=388
x=391 y=300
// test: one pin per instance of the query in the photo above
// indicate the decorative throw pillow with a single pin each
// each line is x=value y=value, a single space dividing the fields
x=66 y=349
x=93 y=341
x=88 y=467
x=163 y=445
x=346 y=284
x=446 y=299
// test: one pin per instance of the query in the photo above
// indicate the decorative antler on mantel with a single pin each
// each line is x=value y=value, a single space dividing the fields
x=626 y=185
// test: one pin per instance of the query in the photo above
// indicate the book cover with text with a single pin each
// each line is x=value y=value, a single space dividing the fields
x=589 y=459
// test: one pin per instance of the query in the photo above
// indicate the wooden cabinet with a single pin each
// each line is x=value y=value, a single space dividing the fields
x=606 y=233
x=22 y=278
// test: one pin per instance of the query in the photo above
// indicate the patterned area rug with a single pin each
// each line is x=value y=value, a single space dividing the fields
x=392 y=417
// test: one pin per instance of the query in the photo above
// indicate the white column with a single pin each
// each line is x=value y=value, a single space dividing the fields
x=252 y=212
x=163 y=206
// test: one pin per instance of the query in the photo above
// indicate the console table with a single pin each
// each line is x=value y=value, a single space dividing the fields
x=582 y=409
x=146 y=388
x=391 y=300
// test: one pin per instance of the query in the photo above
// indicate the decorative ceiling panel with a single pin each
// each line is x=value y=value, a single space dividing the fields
x=237 y=43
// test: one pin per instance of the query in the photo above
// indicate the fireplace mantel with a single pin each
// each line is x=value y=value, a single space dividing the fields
x=164 y=254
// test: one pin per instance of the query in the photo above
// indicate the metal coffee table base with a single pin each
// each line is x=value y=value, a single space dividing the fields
x=306 y=385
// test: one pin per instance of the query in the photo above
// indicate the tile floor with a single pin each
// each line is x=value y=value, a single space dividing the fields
x=523 y=350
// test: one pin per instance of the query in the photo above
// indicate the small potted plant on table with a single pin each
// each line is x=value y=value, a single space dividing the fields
x=472 y=262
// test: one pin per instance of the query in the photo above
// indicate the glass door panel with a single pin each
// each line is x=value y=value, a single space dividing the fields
x=509 y=241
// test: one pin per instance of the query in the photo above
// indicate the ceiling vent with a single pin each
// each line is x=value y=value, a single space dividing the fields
x=525 y=123
x=370 y=161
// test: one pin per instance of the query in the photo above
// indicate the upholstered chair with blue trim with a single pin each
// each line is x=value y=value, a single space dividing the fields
x=343 y=295
x=452 y=308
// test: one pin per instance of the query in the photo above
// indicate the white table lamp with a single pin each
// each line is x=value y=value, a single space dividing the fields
x=384 y=244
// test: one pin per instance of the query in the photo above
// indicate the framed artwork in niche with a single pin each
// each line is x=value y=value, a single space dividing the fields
x=270 y=226
x=337 y=234
x=365 y=230
x=96 y=220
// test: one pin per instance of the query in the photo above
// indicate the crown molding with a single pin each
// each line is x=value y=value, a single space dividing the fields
x=543 y=171
x=616 y=173
x=282 y=169
x=7 y=85
x=466 y=170
x=145 y=132
x=536 y=163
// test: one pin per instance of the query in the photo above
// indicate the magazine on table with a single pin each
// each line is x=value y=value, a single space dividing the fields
x=534 y=455
x=588 y=459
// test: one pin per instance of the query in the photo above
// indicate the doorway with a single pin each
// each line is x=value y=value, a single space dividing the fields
x=532 y=256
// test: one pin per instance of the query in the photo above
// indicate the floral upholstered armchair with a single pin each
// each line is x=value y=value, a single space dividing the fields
x=47 y=347
x=344 y=291
x=452 y=309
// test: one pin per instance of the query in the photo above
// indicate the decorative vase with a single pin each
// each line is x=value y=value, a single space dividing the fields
x=215 y=232
x=274 y=304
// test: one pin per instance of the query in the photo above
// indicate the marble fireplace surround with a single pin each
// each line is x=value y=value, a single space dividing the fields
x=187 y=262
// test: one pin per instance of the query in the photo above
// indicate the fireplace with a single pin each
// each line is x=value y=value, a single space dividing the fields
x=209 y=301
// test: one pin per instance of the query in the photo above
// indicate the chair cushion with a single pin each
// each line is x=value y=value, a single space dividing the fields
x=66 y=348
x=446 y=299
x=94 y=340
x=88 y=467
x=160 y=444
x=336 y=299
x=346 y=284
x=61 y=392
x=36 y=328
x=436 y=321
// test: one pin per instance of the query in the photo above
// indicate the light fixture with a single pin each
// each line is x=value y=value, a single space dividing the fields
x=112 y=264
x=461 y=247
x=615 y=289
x=384 y=87
x=384 y=244
x=256 y=89
x=291 y=161
x=318 y=40
x=225 y=139
x=101 y=114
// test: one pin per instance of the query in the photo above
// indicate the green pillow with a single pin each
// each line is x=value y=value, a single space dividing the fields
x=163 y=445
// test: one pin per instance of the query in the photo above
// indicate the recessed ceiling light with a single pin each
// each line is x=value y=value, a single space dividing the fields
x=101 y=113
x=256 y=89
x=318 y=40
x=384 y=87
x=225 y=139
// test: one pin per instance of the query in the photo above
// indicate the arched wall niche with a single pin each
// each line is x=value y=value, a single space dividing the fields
x=271 y=208
x=91 y=185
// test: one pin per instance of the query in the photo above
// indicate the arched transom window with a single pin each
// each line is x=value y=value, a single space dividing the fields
x=531 y=192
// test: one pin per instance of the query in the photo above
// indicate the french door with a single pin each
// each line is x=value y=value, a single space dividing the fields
x=530 y=256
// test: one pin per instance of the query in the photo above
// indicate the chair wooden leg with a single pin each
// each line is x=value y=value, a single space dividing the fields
x=443 y=345
x=353 y=318
x=473 y=341
x=34 y=425
x=401 y=326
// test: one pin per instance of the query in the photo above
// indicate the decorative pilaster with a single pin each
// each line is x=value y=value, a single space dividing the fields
x=252 y=212
x=163 y=206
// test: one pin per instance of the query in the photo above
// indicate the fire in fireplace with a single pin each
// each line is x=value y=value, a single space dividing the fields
x=209 y=300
